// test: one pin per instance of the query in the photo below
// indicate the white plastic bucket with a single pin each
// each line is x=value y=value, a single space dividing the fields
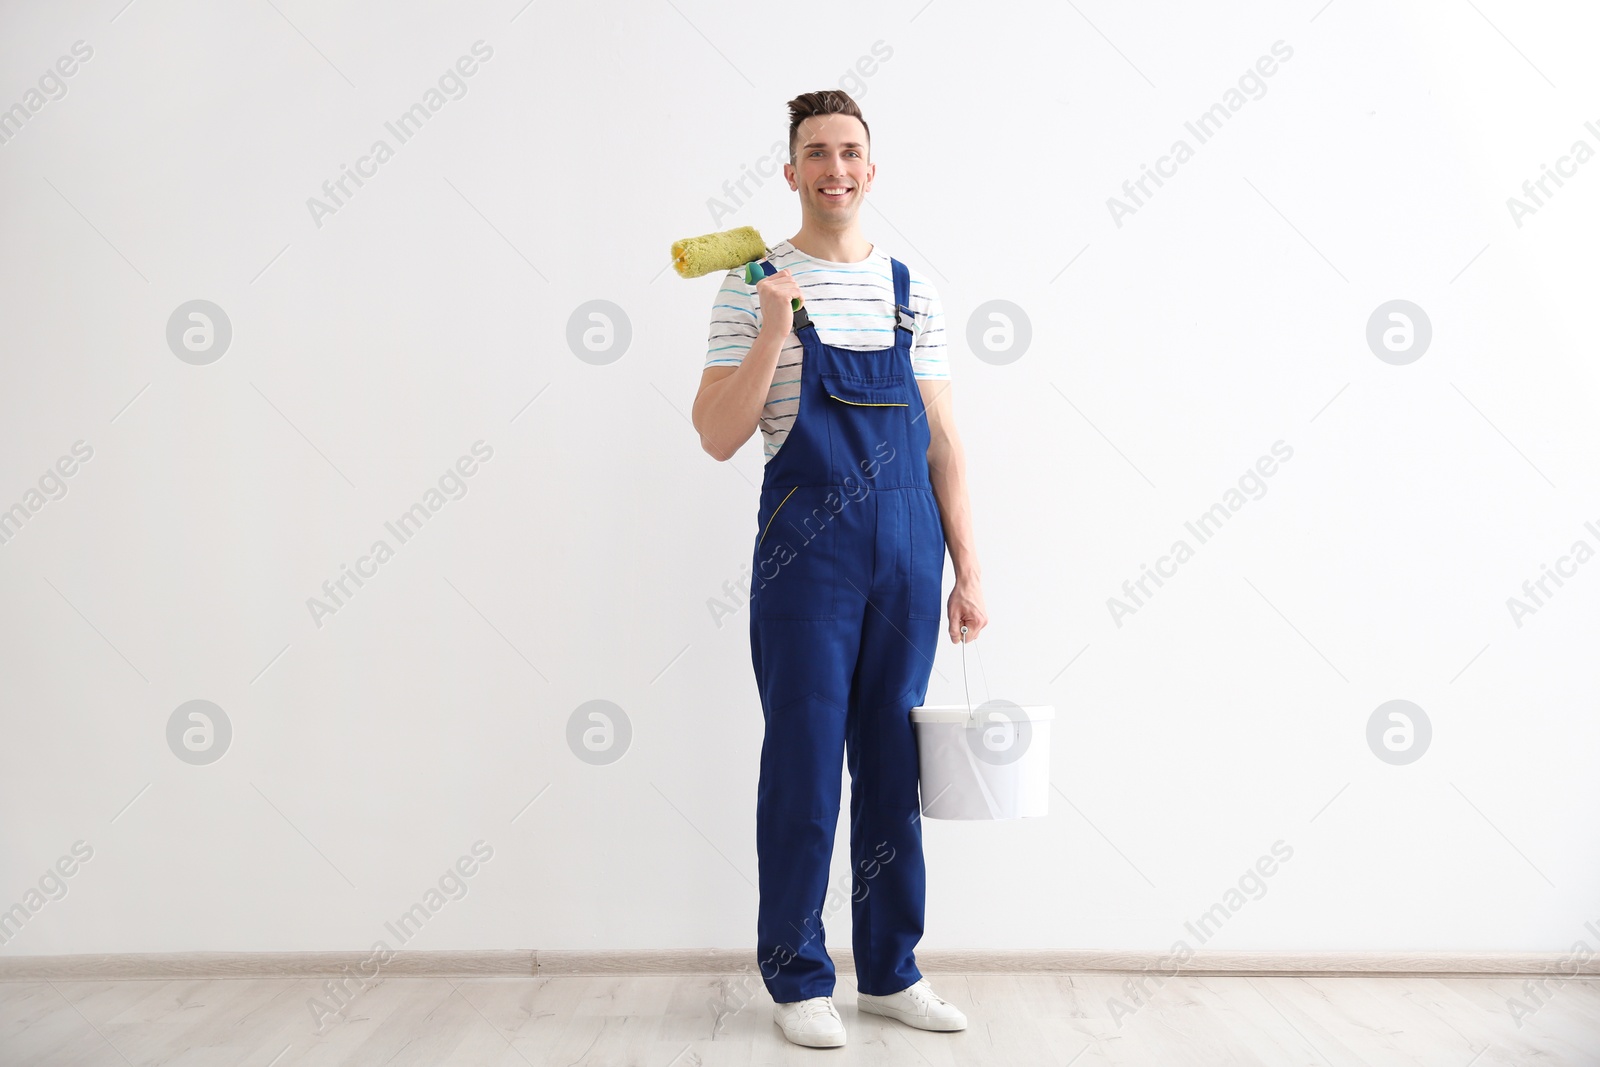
x=987 y=762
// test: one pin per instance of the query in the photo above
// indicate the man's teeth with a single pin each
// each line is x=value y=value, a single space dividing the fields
x=835 y=192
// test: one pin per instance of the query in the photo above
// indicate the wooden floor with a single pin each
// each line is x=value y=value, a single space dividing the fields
x=1015 y=1021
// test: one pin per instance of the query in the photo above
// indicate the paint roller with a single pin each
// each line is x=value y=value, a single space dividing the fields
x=693 y=257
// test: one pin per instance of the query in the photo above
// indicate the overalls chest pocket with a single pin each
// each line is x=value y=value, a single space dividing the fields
x=886 y=391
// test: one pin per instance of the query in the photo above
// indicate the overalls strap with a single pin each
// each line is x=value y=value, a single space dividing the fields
x=904 y=318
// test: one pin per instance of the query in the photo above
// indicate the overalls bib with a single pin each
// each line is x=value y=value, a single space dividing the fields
x=844 y=623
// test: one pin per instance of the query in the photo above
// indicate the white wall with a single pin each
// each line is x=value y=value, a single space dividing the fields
x=1168 y=354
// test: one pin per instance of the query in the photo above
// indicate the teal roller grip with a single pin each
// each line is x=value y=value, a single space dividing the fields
x=753 y=273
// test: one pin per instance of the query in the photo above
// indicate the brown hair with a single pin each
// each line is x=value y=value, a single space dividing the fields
x=826 y=102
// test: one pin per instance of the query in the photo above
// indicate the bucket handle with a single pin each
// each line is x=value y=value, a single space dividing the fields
x=973 y=720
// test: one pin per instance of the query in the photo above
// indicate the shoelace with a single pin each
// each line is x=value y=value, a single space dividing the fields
x=815 y=1007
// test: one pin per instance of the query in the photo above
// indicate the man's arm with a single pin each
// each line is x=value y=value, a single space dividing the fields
x=749 y=325
x=727 y=407
x=947 y=471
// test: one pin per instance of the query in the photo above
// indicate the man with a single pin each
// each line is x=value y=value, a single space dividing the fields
x=864 y=488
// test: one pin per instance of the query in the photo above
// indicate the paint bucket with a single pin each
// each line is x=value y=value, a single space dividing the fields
x=986 y=762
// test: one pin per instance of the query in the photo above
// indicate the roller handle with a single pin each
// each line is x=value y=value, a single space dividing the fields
x=755 y=270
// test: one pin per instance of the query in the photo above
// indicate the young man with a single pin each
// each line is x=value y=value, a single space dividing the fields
x=864 y=488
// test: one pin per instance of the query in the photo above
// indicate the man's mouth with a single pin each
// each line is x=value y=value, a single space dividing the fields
x=835 y=192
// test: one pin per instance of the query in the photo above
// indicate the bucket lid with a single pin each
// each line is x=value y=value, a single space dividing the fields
x=961 y=713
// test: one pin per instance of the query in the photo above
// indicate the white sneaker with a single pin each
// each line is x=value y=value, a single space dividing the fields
x=916 y=1005
x=814 y=1022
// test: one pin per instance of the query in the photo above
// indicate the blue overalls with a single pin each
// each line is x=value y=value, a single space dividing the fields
x=845 y=596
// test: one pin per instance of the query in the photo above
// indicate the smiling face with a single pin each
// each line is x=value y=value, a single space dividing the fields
x=830 y=153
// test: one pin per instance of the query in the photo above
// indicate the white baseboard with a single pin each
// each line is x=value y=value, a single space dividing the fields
x=530 y=962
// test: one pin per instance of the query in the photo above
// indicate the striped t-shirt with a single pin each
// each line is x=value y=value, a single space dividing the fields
x=851 y=305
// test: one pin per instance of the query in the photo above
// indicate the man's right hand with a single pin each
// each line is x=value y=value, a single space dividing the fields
x=776 y=291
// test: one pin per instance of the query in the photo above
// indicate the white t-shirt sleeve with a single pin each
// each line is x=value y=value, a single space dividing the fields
x=735 y=321
x=929 y=354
